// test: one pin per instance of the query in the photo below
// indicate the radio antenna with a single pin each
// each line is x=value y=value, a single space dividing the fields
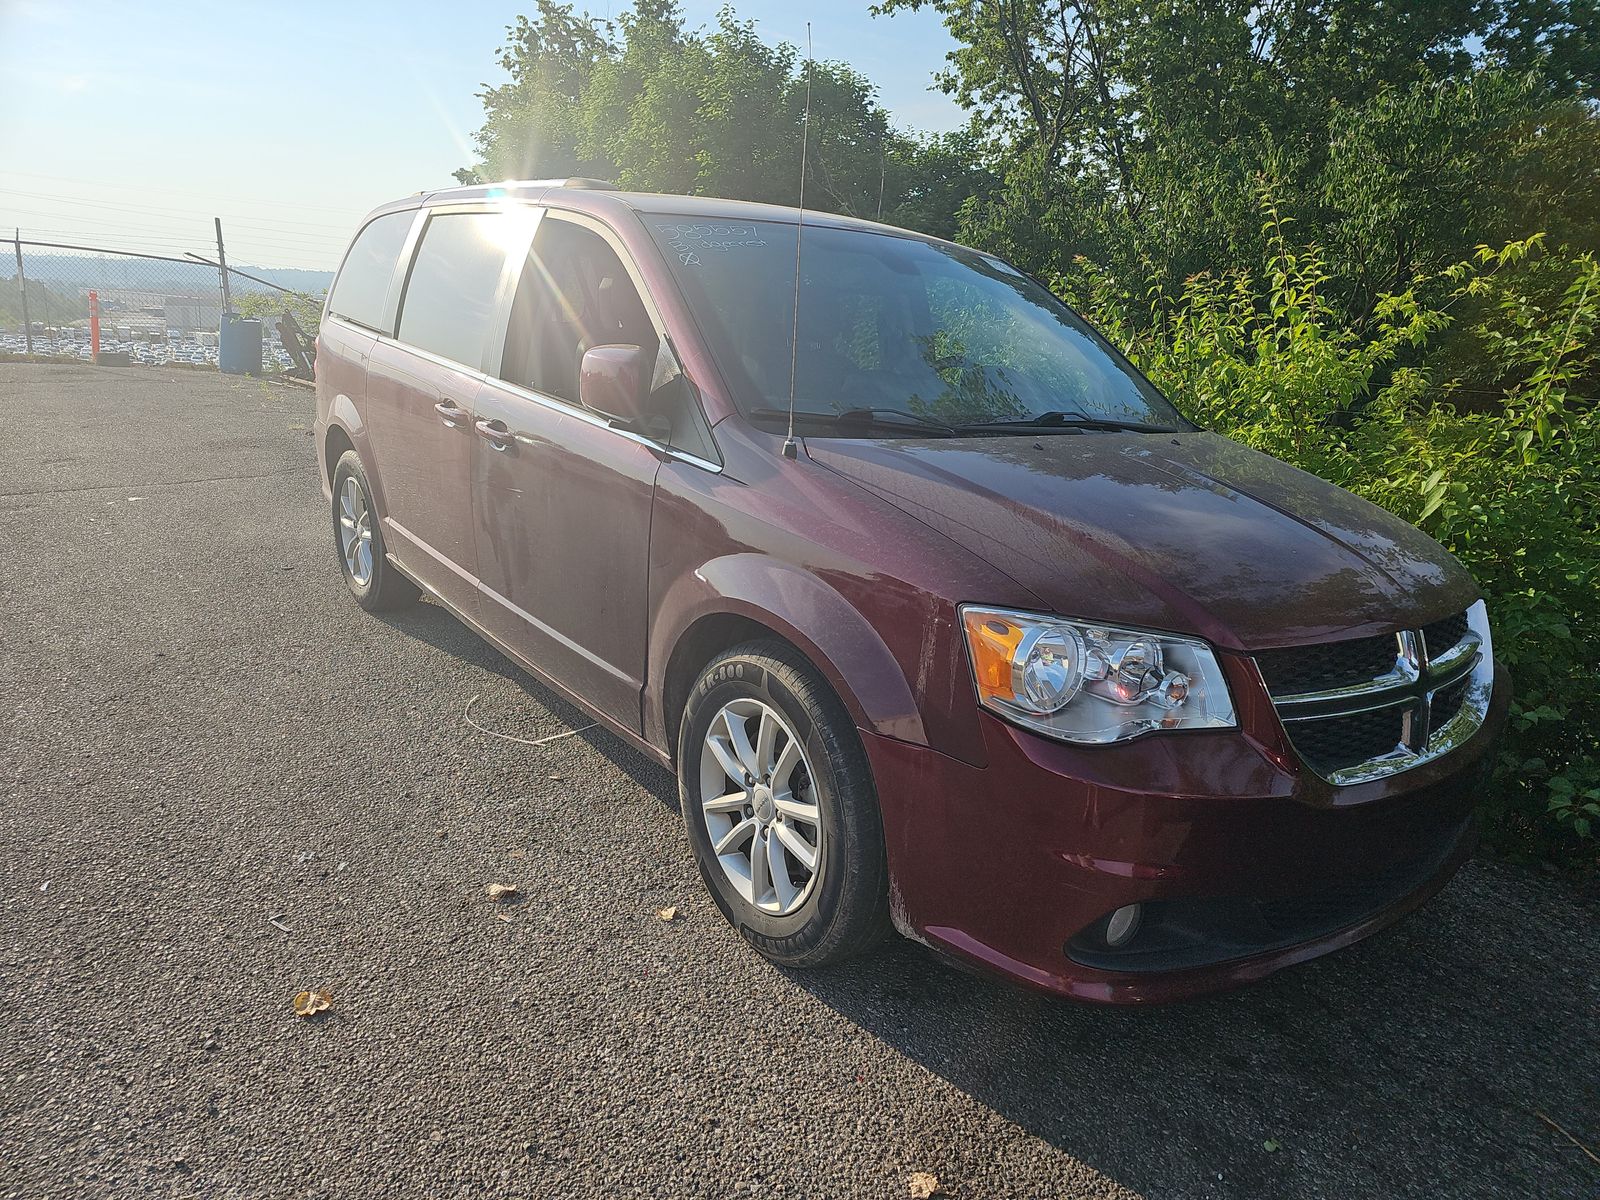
x=883 y=173
x=790 y=450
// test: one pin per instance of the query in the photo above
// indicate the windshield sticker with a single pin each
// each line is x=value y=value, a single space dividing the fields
x=690 y=242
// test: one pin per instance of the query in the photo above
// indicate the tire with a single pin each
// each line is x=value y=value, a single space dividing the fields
x=824 y=802
x=373 y=580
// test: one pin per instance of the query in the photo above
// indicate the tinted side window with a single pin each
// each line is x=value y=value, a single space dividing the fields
x=363 y=283
x=575 y=294
x=449 y=301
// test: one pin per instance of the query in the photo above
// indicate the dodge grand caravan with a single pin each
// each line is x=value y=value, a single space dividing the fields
x=946 y=619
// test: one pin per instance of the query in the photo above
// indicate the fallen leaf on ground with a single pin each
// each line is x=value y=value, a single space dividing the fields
x=922 y=1185
x=309 y=1003
x=1270 y=1146
x=499 y=891
x=669 y=913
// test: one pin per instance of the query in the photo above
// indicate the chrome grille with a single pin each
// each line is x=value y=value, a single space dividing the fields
x=1448 y=701
x=1331 y=664
x=1439 y=636
x=1339 y=742
x=1369 y=707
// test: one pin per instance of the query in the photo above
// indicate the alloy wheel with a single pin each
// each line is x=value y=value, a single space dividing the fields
x=355 y=531
x=758 y=800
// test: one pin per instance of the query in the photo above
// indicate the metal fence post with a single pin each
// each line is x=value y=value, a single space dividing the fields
x=22 y=286
x=222 y=269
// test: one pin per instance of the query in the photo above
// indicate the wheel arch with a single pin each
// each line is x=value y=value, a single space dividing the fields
x=749 y=597
x=334 y=447
x=709 y=636
x=343 y=431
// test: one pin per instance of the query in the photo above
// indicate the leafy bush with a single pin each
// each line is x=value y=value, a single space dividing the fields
x=1512 y=491
x=270 y=306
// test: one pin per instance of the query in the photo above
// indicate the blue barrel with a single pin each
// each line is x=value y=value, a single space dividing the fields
x=239 y=345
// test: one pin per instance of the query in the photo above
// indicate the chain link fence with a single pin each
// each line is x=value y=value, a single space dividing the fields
x=153 y=311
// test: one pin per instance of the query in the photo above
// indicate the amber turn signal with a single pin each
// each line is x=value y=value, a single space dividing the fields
x=993 y=641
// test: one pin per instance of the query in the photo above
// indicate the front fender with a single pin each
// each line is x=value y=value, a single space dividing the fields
x=804 y=609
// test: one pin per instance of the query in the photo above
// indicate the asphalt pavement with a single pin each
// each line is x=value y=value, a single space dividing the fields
x=221 y=784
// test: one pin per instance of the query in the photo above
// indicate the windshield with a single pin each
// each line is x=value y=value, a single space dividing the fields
x=894 y=325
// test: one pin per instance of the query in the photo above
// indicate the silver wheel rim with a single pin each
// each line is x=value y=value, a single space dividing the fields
x=759 y=803
x=355 y=531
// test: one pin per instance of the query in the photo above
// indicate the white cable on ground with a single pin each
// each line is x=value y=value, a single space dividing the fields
x=506 y=737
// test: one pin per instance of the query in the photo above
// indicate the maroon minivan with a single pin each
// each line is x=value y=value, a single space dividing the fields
x=946 y=619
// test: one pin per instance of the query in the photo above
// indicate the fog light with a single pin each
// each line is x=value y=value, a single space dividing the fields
x=1123 y=924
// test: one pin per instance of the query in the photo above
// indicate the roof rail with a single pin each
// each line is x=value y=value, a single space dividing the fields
x=576 y=183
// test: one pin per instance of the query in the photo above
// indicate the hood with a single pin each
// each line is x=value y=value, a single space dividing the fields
x=1189 y=533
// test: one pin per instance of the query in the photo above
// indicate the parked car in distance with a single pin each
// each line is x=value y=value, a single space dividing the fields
x=946 y=619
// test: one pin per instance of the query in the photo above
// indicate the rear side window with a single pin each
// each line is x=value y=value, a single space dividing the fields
x=449 y=301
x=363 y=283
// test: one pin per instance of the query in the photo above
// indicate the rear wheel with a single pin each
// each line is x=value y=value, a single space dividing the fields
x=372 y=579
x=780 y=809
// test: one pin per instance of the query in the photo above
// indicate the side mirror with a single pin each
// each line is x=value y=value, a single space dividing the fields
x=613 y=382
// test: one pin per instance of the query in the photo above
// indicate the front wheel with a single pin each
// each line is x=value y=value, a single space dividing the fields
x=780 y=808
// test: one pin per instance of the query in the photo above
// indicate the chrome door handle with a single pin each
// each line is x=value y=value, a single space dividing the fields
x=451 y=413
x=496 y=434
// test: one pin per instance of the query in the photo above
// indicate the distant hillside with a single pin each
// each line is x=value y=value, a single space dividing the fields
x=69 y=272
x=299 y=278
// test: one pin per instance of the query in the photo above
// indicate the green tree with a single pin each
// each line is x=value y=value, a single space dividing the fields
x=1132 y=133
x=655 y=106
x=534 y=125
x=46 y=305
x=269 y=307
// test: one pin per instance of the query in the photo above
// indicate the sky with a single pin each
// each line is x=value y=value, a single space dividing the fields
x=130 y=126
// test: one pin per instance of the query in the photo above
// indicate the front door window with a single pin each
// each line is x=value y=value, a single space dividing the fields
x=575 y=294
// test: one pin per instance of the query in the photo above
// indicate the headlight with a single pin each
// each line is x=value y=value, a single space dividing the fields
x=1083 y=682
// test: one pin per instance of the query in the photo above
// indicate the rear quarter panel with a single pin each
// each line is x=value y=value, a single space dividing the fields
x=343 y=353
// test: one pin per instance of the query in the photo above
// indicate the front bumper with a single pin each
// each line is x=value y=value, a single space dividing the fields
x=1247 y=863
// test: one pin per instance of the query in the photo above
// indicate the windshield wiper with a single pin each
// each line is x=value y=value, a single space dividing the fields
x=1068 y=421
x=866 y=418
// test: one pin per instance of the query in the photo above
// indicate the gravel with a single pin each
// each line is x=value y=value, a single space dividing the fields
x=221 y=783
